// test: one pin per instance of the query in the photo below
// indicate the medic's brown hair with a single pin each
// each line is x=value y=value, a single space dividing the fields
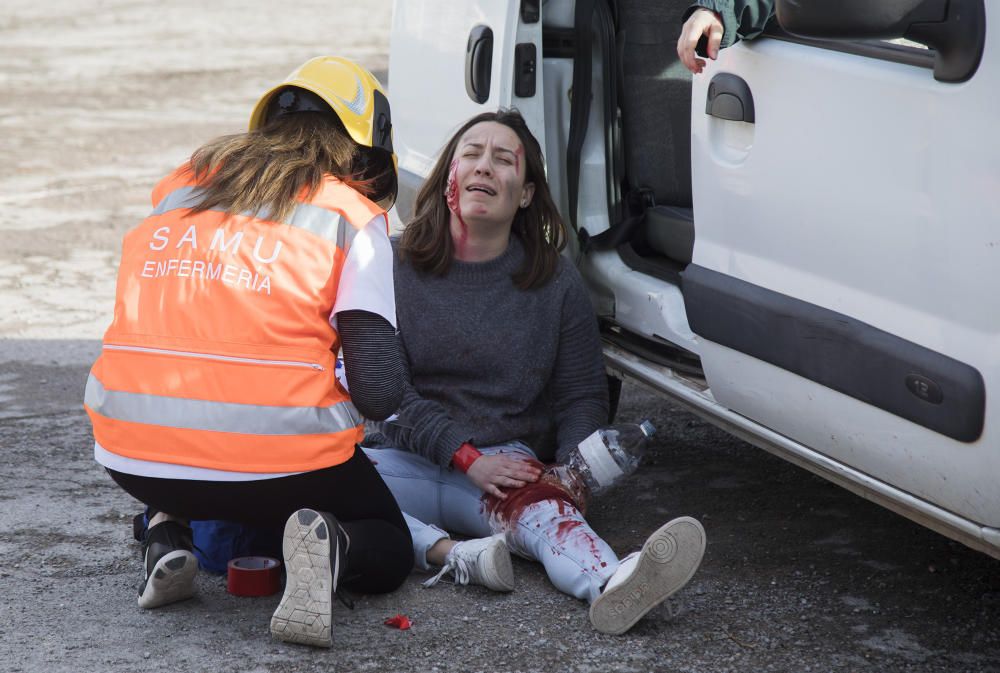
x=266 y=170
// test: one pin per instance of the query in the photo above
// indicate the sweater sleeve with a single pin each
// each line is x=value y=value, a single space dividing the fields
x=423 y=426
x=579 y=385
x=741 y=19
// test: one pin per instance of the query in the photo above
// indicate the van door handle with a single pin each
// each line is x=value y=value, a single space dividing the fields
x=525 y=57
x=729 y=98
x=479 y=63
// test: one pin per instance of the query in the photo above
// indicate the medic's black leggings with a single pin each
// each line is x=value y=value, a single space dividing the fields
x=381 y=552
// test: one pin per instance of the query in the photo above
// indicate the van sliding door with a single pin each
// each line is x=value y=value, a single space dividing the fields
x=847 y=258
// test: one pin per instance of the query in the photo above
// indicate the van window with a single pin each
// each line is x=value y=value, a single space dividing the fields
x=897 y=51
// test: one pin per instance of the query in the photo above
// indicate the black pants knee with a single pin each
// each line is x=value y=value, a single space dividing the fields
x=381 y=552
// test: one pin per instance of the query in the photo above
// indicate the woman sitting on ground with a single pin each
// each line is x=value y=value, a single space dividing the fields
x=215 y=395
x=505 y=373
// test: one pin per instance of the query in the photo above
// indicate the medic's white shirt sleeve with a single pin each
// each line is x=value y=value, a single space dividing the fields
x=366 y=279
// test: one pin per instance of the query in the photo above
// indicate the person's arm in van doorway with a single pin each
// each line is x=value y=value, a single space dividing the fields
x=721 y=23
x=372 y=363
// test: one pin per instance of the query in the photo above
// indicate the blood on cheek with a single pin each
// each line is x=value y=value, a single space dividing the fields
x=452 y=199
x=451 y=190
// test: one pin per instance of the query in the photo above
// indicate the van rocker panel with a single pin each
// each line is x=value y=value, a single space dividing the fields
x=852 y=357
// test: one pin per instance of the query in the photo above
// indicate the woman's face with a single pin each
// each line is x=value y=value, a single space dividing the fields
x=486 y=183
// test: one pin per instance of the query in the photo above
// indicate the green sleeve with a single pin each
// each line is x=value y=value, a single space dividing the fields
x=741 y=19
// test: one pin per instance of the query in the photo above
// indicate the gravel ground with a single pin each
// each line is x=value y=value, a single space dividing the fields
x=799 y=575
x=99 y=99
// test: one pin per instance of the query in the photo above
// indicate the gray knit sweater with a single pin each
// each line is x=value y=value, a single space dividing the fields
x=489 y=363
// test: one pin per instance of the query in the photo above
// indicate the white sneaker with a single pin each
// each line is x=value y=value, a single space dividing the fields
x=484 y=561
x=315 y=551
x=646 y=578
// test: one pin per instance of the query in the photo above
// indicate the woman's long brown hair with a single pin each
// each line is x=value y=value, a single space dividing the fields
x=266 y=170
x=426 y=242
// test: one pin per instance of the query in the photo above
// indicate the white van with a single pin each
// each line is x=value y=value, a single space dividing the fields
x=800 y=245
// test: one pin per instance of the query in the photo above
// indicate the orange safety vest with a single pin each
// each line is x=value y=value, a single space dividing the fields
x=221 y=354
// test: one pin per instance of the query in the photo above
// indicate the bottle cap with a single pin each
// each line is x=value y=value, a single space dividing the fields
x=647 y=428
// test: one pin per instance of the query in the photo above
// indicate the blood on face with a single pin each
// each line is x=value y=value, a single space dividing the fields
x=452 y=198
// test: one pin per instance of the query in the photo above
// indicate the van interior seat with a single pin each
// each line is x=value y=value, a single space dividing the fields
x=668 y=231
x=656 y=119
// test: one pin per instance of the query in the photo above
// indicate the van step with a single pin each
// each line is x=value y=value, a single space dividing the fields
x=655 y=350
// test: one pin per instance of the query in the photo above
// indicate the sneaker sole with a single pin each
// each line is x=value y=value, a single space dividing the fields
x=172 y=580
x=304 y=613
x=502 y=577
x=668 y=560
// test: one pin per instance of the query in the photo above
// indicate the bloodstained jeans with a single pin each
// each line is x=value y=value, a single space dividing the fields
x=434 y=500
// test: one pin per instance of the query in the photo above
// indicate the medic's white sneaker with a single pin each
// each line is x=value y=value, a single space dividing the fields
x=315 y=551
x=644 y=579
x=484 y=561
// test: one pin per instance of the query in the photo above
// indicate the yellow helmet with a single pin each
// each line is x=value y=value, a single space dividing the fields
x=351 y=91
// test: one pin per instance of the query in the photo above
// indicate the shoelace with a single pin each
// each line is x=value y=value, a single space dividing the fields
x=457 y=566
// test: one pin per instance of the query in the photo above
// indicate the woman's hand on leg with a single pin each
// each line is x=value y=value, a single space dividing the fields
x=491 y=473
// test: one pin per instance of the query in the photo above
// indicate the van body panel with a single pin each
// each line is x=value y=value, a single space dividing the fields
x=867 y=188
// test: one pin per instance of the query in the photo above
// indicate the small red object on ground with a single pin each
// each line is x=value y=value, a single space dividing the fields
x=401 y=622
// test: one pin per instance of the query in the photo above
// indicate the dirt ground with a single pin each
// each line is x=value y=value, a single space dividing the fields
x=98 y=99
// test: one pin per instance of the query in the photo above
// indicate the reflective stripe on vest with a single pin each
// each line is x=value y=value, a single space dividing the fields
x=324 y=223
x=231 y=452
x=176 y=412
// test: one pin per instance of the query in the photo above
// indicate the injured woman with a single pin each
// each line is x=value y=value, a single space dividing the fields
x=505 y=378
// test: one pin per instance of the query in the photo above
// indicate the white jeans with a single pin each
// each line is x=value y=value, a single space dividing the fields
x=435 y=500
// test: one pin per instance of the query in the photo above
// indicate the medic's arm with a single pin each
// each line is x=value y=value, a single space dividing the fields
x=372 y=363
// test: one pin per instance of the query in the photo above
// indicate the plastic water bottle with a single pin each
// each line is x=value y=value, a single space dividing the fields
x=610 y=454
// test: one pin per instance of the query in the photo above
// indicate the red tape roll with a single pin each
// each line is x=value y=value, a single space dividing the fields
x=253 y=576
